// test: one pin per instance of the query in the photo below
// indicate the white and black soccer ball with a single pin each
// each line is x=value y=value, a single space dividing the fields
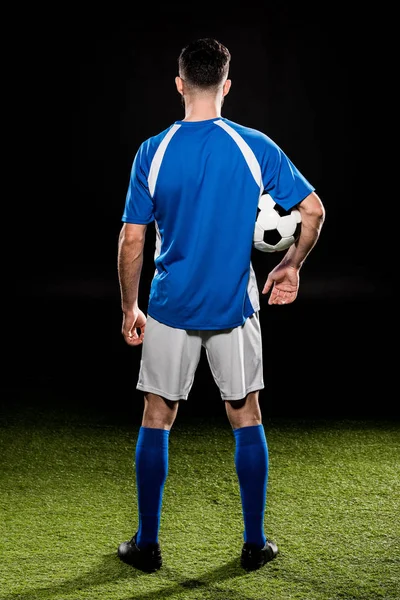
x=276 y=229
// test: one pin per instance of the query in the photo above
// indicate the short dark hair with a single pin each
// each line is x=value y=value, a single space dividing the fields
x=204 y=63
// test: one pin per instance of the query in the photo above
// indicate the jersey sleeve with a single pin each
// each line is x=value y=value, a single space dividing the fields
x=139 y=207
x=283 y=181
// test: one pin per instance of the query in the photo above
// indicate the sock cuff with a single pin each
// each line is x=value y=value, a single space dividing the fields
x=246 y=436
x=153 y=437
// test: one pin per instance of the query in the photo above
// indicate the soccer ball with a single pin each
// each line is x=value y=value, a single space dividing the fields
x=276 y=229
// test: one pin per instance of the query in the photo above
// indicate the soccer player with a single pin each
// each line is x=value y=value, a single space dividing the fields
x=200 y=180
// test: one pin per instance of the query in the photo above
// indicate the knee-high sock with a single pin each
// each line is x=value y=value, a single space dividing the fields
x=151 y=460
x=251 y=462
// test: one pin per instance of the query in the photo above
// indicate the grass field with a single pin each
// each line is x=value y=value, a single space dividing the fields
x=68 y=499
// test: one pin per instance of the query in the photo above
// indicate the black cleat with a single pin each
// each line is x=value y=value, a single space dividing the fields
x=146 y=559
x=254 y=558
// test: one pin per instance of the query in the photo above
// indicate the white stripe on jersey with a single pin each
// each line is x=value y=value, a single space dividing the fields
x=247 y=152
x=157 y=159
x=252 y=289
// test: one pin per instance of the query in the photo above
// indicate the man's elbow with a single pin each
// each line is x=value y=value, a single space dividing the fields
x=132 y=234
x=312 y=209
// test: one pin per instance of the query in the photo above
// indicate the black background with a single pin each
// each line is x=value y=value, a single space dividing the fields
x=85 y=88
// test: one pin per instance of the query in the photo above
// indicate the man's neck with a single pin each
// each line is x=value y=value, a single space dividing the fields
x=202 y=111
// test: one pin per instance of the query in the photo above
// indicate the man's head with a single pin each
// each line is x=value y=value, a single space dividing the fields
x=203 y=67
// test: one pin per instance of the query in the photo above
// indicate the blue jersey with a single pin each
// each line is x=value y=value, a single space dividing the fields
x=200 y=183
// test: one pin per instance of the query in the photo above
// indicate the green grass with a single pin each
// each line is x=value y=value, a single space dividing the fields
x=67 y=499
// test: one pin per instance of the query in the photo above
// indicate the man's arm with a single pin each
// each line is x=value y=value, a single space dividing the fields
x=130 y=262
x=284 y=278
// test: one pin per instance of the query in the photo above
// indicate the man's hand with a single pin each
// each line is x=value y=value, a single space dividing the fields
x=284 y=281
x=132 y=321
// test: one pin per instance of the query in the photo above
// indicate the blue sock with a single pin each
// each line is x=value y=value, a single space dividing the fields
x=251 y=462
x=151 y=459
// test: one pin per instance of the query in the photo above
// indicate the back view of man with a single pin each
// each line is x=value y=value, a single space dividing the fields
x=200 y=181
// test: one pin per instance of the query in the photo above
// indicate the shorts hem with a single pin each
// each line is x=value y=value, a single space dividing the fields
x=152 y=390
x=241 y=396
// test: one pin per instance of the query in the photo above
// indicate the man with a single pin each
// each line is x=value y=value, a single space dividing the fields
x=200 y=181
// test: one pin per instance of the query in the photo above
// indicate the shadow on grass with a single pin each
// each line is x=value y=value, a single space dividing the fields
x=111 y=570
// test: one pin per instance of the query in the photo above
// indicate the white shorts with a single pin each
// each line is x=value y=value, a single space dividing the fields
x=170 y=357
